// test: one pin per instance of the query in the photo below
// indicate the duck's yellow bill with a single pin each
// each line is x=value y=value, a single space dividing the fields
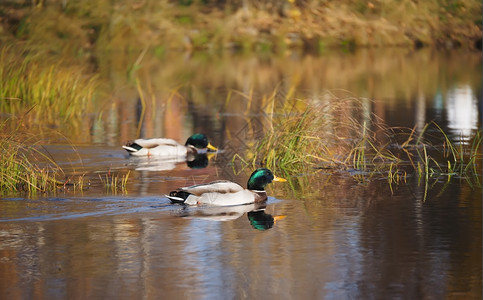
x=211 y=147
x=279 y=179
x=276 y=218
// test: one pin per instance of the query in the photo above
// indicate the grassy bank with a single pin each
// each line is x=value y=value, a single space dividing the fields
x=87 y=27
x=39 y=95
x=19 y=169
x=53 y=92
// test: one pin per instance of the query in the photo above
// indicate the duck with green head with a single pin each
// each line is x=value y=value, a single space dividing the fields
x=162 y=147
x=223 y=192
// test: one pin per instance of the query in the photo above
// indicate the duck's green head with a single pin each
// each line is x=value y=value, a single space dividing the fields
x=260 y=178
x=199 y=141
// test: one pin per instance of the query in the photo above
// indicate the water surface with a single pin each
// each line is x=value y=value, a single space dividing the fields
x=344 y=235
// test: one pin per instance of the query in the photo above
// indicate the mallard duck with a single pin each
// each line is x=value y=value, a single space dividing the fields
x=162 y=147
x=223 y=192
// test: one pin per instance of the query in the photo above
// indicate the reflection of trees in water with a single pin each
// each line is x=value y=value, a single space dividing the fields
x=411 y=245
x=221 y=96
x=344 y=240
x=462 y=113
x=339 y=235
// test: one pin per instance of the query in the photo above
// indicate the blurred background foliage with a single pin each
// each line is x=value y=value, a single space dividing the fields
x=81 y=28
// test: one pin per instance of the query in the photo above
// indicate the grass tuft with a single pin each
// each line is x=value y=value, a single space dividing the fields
x=56 y=93
x=341 y=135
x=114 y=182
x=19 y=170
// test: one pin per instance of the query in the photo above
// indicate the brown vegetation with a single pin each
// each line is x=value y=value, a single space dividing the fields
x=248 y=25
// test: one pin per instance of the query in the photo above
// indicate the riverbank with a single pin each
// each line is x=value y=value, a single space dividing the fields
x=273 y=26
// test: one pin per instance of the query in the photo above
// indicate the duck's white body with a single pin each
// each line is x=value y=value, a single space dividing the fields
x=221 y=193
x=160 y=147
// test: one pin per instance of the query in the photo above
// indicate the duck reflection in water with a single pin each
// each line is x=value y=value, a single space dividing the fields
x=261 y=220
x=256 y=214
x=197 y=161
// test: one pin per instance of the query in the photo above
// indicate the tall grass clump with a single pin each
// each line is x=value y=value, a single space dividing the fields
x=113 y=182
x=58 y=94
x=448 y=157
x=343 y=135
x=19 y=167
x=333 y=135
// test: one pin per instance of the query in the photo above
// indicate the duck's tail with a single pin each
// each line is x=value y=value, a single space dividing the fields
x=132 y=147
x=178 y=196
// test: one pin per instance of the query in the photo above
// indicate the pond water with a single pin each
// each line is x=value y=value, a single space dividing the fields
x=324 y=236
